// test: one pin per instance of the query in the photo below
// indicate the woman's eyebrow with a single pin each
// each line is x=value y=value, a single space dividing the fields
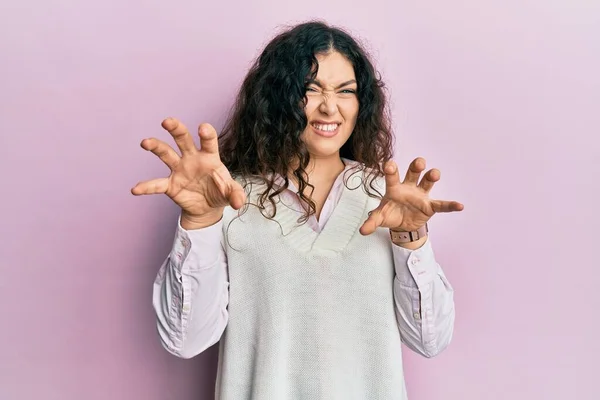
x=319 y=84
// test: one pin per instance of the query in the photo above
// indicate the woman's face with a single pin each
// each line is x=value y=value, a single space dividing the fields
x=332 y=106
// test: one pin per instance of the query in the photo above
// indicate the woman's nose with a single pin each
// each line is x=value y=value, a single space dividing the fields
x=328 y=104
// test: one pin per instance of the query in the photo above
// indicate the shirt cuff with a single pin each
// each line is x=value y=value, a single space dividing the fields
x=201 y=244
x=415 y=268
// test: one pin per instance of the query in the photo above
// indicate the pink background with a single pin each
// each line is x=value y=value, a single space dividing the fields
x=502 y=96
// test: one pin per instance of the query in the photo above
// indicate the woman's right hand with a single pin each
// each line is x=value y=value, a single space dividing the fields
x=199 y=182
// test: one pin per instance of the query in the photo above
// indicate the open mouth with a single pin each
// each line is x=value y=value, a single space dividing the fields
x=327 y=130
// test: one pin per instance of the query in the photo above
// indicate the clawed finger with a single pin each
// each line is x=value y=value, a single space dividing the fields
x=181 y=135
x=372 y=223
x=392 y=178
x=446 y=206
x=429 y=179
x=163 y=151
x=414 y=170
x=209 y=141
x=230 y=189
x=153 y=186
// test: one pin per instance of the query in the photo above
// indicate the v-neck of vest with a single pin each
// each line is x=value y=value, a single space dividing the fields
x=344 y=222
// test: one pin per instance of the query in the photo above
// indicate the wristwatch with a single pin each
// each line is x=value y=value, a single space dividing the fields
x=407 y=237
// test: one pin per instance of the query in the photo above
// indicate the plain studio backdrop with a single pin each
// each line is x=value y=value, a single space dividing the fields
x=502 y=96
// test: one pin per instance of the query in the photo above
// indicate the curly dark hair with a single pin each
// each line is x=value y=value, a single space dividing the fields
x=263 y=132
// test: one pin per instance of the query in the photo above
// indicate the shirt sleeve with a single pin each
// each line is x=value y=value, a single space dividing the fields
x=191 y=291
x=424 y=300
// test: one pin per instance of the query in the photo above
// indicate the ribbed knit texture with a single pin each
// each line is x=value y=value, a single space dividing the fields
x=311 y=315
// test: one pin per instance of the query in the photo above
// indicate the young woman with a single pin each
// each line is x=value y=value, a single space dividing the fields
x=298 y=246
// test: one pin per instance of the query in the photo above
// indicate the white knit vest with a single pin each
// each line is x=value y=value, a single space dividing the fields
x=311 y=315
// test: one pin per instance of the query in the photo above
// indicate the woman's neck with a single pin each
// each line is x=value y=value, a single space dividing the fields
x=322 y=171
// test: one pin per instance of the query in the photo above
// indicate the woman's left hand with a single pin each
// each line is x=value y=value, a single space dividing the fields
x=406 y=206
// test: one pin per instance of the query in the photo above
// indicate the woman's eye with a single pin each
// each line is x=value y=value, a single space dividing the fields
x=348 y=91
x=309 y=89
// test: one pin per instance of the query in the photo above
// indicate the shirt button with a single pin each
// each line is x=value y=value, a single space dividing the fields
x=415 y=261
x=186 y=308
x=417 y=315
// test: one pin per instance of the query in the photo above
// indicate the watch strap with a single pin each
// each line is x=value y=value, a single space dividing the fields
x=407 y=237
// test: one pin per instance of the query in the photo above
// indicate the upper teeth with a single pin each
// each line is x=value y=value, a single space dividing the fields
x=328 y=127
